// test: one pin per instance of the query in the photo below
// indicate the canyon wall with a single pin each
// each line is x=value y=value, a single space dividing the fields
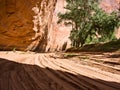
x=16 y=25
x=109 y=6
x=58 y=37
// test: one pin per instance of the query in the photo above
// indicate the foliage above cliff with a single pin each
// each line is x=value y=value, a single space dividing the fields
x=88 y=21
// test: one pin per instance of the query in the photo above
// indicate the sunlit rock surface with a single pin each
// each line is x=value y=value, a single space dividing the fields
x=110 y=5
x=58 y=37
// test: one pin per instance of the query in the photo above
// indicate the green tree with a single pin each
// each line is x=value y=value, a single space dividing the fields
x=87 y=20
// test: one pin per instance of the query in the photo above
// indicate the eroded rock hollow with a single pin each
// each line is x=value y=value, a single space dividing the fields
x=16 y=24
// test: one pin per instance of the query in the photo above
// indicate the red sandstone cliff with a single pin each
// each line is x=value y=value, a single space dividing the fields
x=16 y=24
x=109 y=6
x=58 y=37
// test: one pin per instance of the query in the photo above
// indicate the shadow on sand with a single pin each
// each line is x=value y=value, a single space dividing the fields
x=17 y=76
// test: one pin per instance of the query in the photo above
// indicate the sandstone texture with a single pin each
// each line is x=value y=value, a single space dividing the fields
x=50 y=71
x=58 y=33
x=17 y=25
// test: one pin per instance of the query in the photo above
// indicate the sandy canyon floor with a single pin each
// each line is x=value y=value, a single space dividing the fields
x=52 y=71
